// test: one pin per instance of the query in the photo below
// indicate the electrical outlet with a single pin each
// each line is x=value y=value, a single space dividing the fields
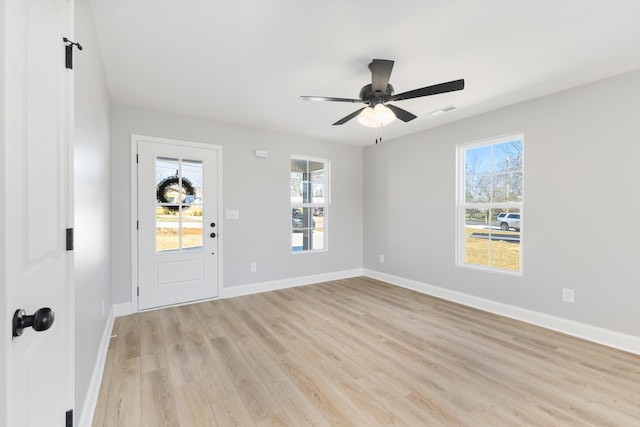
x=253 y=267
x=381 y=259
x=567 y=295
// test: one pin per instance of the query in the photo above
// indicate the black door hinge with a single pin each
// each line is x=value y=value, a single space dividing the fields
x=138 y=290
x=68 y=52
x=69 y=418
x=137 y=159
x=69 y=239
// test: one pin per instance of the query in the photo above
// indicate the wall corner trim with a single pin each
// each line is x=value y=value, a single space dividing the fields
x=609 y=338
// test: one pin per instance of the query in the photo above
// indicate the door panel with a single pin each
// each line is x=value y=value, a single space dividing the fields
x=37 y=184
x=178 y=248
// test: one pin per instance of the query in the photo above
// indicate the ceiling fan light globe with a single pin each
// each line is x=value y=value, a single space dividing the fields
x=366 y=118
x=382 y=115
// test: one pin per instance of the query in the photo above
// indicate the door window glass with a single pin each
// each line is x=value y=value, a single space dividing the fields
x=178 y=204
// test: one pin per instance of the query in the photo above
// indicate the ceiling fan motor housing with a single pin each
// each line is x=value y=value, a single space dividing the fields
x=372 y=98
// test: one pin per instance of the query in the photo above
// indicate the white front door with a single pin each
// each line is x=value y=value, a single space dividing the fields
x=35 y=176
x=178 y=227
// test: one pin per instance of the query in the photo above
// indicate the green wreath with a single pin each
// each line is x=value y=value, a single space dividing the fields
x=166 y=183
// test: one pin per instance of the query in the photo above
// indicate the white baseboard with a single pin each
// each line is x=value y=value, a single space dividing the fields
x=126 y=308
x=595 y=334
x=123 y=309
x=256 y=288
x=91 y=398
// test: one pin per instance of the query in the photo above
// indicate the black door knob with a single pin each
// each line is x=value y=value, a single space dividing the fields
x=41 y=320
x=212 y=234
x=213 y=224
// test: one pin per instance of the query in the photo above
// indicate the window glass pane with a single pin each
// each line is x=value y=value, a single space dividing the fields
x=507 y=156
x=296 y=218
x=296 y=241
x=303 y=234
x=302 y=218
x=167 y=230
x=299 y=165
x=318 y=217
x=166 y=167
x=499 y=185
x=477 y=237
x=167 y=180
x=307 y=215
x=306 y=194
x=297 y=179
x=315 y=166
x=317 y=186
x=497 y=246
x=192 y=181
x=477 y=188
x=507 y=187
x=507 y=219
x=477 y=160
x=167 y=227
x=317 y=240
x=192 y=227
x=505 y=249
x=516 y=188
x=477 y=218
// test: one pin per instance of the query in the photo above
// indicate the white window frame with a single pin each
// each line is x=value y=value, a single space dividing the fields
x=462 y=205
x=325 y=206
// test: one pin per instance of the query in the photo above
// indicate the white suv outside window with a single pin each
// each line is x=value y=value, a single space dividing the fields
x=509 y=220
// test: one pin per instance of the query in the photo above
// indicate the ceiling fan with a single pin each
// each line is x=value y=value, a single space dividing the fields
x=377 y=95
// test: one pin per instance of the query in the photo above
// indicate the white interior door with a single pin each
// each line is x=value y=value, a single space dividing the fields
x=36 y=188
x=178 y=229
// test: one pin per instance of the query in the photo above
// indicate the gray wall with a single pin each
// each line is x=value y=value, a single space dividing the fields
x=92 y=208
x=258 y=188
x=581 y=195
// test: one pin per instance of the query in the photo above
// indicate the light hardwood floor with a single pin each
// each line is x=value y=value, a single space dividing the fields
x=356 y=352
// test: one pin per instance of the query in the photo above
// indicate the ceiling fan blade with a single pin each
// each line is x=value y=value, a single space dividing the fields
x=403 y=115
x=345 y=119
x=430 y=90
x=327 y=98
x=380 y=74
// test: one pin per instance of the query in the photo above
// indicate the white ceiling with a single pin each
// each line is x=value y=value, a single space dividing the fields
x=247 y=62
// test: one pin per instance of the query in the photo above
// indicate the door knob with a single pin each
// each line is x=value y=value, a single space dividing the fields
x=212 y=234
x=41 y=320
